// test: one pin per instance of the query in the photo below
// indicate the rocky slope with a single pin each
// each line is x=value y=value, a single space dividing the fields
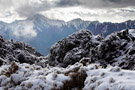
x=11 y=50
x=73 y=48
x=117 y=49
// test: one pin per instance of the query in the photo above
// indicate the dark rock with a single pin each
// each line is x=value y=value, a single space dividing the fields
x=11 y=50
x=117 y=49
x=73 y=48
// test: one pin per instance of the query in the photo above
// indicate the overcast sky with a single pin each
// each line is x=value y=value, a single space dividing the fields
x=101 y=10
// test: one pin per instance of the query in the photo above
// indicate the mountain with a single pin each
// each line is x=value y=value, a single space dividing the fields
x=42 y=32
x=107 y=27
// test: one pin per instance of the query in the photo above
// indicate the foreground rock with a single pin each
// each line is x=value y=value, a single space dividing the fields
x=73 y=48
x=11 y=50
x=117 y=49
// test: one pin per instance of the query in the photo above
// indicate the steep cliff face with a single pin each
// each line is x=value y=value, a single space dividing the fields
x=117 y=49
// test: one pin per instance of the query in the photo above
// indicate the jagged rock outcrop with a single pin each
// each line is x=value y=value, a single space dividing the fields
x=117 y=49
x=11 y=50
x=73 y=48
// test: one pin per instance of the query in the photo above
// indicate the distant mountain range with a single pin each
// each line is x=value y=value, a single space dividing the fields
x=42 y=32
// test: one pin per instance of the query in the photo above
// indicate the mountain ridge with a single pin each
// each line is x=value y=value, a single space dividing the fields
x=38 y=28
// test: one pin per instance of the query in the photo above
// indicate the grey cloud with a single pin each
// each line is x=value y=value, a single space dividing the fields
x=27 y=8
x=68 y=3
x=8 y=14
x=30 y=9
x=98 y=3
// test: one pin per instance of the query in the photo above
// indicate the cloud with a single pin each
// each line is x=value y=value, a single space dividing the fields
x=26 y=8
x=102 y=15
x=98 y=3
x=19 y=9
x=31 y=8
x=24 y=31
x=63 y=3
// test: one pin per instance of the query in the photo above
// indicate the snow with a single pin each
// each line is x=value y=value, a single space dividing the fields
x=17 y=77
x=132 y=32
x=110 y=79
x=32 y=77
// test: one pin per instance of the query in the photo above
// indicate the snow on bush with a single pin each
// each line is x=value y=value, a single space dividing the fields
x=110 y=79
x=24 y=76
x=75 y=77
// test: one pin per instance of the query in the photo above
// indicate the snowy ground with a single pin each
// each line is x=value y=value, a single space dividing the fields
x=75 y=77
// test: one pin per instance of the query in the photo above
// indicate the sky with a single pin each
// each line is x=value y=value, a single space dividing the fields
x=101 y=10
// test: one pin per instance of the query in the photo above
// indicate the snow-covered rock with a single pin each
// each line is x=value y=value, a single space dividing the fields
x=11 y=50
x=73 y=48
x=117 y=49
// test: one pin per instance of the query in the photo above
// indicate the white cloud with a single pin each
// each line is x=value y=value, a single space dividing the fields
x=24 y=31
